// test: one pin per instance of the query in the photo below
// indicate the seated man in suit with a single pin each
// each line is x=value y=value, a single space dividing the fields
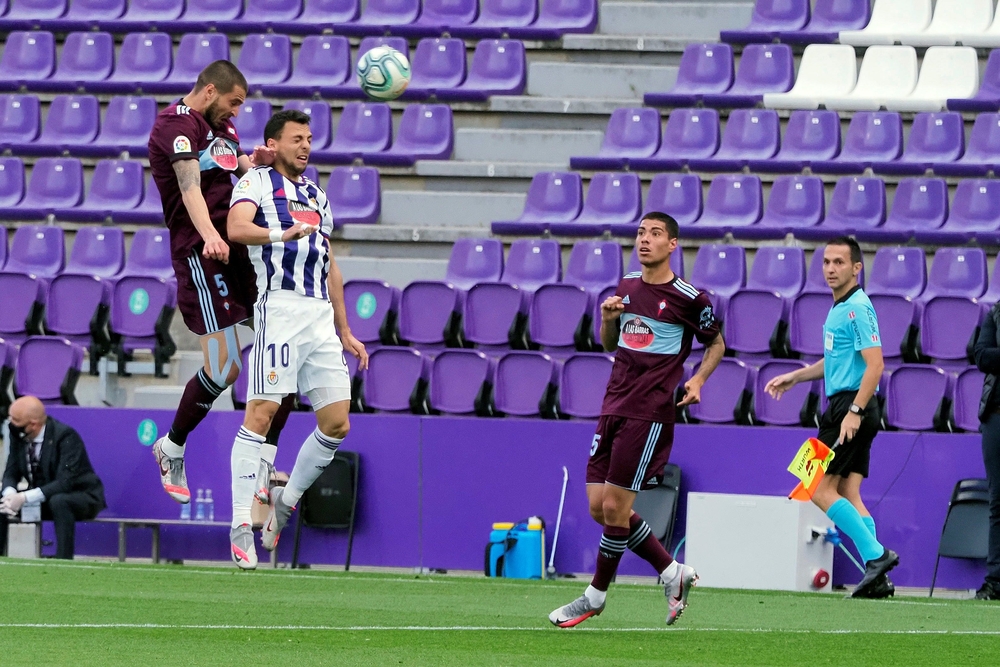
x=52 y=458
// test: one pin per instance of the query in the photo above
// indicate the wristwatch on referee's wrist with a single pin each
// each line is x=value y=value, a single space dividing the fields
x=856 y=409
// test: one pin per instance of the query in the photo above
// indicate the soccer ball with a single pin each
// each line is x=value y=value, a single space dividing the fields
x=383 y=73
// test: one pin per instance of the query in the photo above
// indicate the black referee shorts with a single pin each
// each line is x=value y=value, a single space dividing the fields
x=855 y=455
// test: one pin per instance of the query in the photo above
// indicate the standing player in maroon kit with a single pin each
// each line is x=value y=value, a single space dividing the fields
x=650 y=321
x=193 y=152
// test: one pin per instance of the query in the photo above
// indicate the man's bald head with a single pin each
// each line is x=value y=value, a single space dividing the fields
x=28 y=413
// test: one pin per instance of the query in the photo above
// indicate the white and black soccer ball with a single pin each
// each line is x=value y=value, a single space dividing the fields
x=383 y=73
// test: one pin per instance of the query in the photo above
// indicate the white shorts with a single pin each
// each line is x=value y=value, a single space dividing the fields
x=295 y=349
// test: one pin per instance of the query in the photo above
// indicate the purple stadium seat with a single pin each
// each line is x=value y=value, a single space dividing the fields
x=595 y=265
x=56 y=183
x=355 y=195
x=323 y=60
x=440 y=16
x=764 y=68
x=770 y=18
x=914 y=396
x=203 y=15
x=828 y=18
x=27 y=14
x=981 y=154
x=898 y=271
x=320 y=121
x=689 y=134
x=678 y=195
x=857 y=203
x=144 y=15
x=48 y=369
x=250 y=122
x=733 y=200
x=265 y=59
x=987 y=98
x=429 y=314
x=532 y=263
x=396 y=376
x=806 y=315
x=720 y=270
x=11 y=186
x=144 y=57
x=20 y=119
x=73 y=121
x=195 y=52
x=497 y=17
x=526 y=384
x=676 y=263
x=263 y=13
x=372 y=309
x=957 y=272
x=631 y=132
x=975 y=213
x=426 y=132
x=116 y=185
x=3 y=246
x=780 y=269
x=24 y=298
x=725 y=394
x=612 y=199
x=968 y=391
x=141 y=309
x=438 y=64
x=498 y=67
x=457 y=379
x=149 y=210
x=381 y=16
x=751 y=134
x=810 y=136
x=704 y=69
x=319 y=16
x=351 y=88
x=872 y=136
x=756 y=314
x=582 y=381
x=919 y=204
x=475 y=261
x=97 y=251
x=494 y=315
x=951 y=311
x=553 y=196
x=126 y=126
x=935 y=138
x=364 y=128
x=559 y=318
x=27 y=57
x=150 y=254
x=558 y=17
x=38 y=250
x=788 y=410
x=795 y=202
x=86 y=57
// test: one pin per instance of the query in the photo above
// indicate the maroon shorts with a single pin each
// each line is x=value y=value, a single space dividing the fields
x=629 y=452
x=211 y=295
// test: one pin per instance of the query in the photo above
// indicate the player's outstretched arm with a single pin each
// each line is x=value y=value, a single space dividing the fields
x=611 y=311
x=709 y=362
x=779 y=384
x=189 y=182
x=335 y=285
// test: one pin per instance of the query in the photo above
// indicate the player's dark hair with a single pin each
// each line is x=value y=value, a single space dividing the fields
x=276 y=123
x=223 y=75
x=673 y=230
x=856 y=257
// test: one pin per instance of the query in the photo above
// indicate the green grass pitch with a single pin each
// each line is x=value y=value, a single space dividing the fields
x=109 y=614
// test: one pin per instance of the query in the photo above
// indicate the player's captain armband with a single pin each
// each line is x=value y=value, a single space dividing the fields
x=182 y=144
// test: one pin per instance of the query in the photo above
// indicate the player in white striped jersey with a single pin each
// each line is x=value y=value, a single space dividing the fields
x=285 y=220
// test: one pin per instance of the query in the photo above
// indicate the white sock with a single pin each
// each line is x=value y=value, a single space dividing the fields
x=268 y=452
x=245 y=461
x=314 y=456
x=595 y=597
x=171 y=448
x=671 y=572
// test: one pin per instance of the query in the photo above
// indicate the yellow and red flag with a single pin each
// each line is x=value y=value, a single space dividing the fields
x=809 y=465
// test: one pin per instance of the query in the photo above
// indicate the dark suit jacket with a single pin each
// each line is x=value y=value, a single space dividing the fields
x=64 y=467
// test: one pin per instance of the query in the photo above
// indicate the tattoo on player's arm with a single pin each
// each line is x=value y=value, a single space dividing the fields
x=188 y=174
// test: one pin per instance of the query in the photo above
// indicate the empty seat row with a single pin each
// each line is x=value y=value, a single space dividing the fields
x=522 y=19
x=795 y=22
x=45 y=367
x=87 y=62
x=752 y=139
x=116 y=193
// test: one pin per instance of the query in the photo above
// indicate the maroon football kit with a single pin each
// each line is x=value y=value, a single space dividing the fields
x=210 y=295
x=636 y=428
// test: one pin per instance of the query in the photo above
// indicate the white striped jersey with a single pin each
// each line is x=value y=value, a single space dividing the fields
x=300 y=266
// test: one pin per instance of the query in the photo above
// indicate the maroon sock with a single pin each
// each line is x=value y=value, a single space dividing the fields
x=199 y=395
x=644 y=544
x=280 y=418
x=613 y=543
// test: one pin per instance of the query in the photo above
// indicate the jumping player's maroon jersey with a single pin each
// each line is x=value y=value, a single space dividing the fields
x=181 y=133
x=657 y=327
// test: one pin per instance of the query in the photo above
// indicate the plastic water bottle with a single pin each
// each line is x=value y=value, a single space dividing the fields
x=209 y=505
x=199 y=508
x=186 y=512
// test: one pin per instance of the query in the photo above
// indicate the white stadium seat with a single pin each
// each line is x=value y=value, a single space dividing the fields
x=825 y=70
x=988 y=39
x=887 y=73
x=953 y=19
x=891 y=19
x=947 y=72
